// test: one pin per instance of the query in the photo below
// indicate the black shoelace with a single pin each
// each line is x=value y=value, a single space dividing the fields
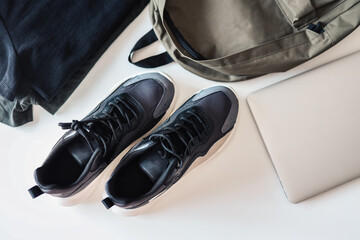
x=183 y=136
x=120 y=111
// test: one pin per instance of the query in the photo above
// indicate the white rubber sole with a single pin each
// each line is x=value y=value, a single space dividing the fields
x=97 y=185
x=213 y=152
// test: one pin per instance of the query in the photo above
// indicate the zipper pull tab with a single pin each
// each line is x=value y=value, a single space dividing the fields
x=318 y=28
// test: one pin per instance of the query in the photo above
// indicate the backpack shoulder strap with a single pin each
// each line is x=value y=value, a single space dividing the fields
x=152 y=61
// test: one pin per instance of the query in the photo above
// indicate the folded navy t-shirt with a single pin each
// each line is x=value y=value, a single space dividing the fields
x=47 y=46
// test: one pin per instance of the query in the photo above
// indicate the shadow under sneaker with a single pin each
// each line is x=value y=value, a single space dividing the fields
x=165 y=155
x=91 y=144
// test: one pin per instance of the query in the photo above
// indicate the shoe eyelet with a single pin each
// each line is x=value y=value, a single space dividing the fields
x=179 y=164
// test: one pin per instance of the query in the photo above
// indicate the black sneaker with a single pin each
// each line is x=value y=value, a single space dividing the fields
x=162 y=158
x=83 y=152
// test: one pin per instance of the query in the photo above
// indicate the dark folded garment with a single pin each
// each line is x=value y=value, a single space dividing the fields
x=48 y=46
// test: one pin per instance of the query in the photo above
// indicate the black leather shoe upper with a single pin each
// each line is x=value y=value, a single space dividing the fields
x=160 y=159
x=92 y=143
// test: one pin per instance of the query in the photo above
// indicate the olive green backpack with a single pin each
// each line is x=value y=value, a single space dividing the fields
x=232 y=40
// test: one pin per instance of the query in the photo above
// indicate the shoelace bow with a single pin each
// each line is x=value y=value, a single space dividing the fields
x=121 y=113
x=185 y=132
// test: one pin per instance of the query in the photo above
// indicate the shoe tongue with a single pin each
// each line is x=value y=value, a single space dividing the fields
x=80 y=150
x=152 y=163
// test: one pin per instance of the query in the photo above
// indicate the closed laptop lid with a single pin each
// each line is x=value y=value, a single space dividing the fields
x=310 y=125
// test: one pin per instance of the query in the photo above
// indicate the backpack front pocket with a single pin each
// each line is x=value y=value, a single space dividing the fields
x=301 y=12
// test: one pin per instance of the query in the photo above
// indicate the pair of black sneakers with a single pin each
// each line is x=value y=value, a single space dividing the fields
x=154 y=164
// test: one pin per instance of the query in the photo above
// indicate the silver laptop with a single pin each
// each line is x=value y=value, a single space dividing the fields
x=310 y=125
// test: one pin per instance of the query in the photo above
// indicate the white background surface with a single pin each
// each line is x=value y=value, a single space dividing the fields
x=236 y=195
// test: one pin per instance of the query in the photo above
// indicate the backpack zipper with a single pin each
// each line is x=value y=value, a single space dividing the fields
x=181 y=39
x=318 y=28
